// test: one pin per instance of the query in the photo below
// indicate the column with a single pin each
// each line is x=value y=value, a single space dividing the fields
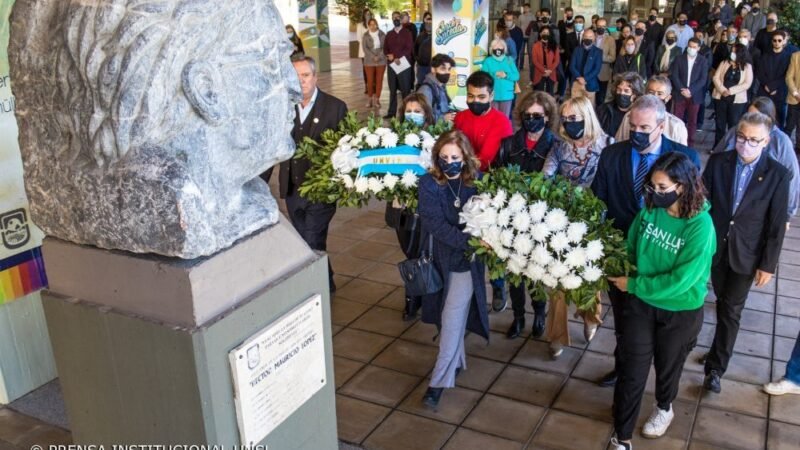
x=314 y=31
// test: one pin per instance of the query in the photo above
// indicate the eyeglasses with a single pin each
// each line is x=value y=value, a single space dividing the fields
x=650 y=189
x=572 y=118
x=777 y=41
x=752 y=142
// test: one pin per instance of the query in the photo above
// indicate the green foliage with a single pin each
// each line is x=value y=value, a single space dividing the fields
x=355 y=8
x=789 y=17
x=580 y=205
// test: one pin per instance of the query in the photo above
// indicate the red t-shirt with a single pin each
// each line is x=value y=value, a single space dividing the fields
x=485 y=133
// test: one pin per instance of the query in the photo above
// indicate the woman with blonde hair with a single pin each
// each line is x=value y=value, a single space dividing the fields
x=575 y=157
x=461 y=304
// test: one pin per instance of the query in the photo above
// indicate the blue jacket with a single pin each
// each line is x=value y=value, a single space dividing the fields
x=440 y=219
x=587 y=64
x=679 y=76
x=503 y=87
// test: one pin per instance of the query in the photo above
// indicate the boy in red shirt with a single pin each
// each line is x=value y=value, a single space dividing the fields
x=485 y=126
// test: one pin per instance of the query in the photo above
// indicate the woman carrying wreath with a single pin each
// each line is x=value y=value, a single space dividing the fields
x=575 y=157
x=461 y=304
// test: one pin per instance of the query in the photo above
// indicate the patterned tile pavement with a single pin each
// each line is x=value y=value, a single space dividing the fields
x=513 y=396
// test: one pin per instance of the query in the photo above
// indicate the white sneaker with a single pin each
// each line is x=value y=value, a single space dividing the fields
x=658 y=422
x=782 y=386
x=617 y=445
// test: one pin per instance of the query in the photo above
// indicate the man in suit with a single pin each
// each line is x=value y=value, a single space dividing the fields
x=621 y=174
x=571 y=40
x=749 y=194
x=644 y=46
x=606 y=43
x=584 y=67
x=316 y=113
x=689 y=81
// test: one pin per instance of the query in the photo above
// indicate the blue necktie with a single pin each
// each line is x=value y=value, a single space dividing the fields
x=641 y=174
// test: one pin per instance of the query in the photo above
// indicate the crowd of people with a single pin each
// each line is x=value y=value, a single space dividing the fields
x=618 y=115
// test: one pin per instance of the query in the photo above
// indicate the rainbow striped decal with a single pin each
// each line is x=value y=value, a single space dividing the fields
x=21 y=274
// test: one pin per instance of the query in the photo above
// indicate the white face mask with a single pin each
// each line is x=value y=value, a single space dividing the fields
x=691 y=52
x=630 y=49
x=744 y=41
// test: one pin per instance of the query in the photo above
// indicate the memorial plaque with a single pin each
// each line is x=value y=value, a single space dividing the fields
x=278 y=369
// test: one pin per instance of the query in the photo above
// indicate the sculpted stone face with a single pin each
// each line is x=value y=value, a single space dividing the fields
x=144 y=124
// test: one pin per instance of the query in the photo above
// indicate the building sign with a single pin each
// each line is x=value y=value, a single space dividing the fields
x=21 y=267
x=277 y=370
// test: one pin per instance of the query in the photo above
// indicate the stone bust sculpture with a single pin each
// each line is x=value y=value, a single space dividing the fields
x=144 y=124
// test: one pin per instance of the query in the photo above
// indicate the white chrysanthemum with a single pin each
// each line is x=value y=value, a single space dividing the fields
x=492 y=237
x=507 y=237
x=556 y=219
x=523 y=244
x=549 y=280
x=502 y=253
x=537 y=211
x=412 y=140
x=427 y=144
x=500 y=198
x=372 y=140
x=409 y=179
x=522 y=221
x=535 y=272
x=362 y=132
x=576 y=257
x=381 y=131
x=517 y=203
x=540 y=232
x=361 y=184
x=592 y=273
x=390 y=180
x=375 y=184
x=425 y=135
x=559 y=242
x=571 y=281
x=576 y=231
x=390 y=140
x=345 y=139
x=425 y=158
x=558 y=269
x=347 y=180
x=503 y=216
x=517 y=263
x=345 y=159
x=594 y=250
x=541 y=256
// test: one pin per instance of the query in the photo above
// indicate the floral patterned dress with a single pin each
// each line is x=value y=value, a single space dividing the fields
x=579 y=165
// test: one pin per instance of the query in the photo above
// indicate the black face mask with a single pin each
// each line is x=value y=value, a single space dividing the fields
x=569 y=19
x=756 y=10
x=428 y=26
x=544 y=37
x=661 y=200
x=652 y=18
x=639 y=32
x=497 y=52
x=574 y=129
x=532 y=124
x=396 y=22
x=640 y=141
x=587 y=42
x=443 y=77
x=601 y=31
x=670 y=41
x=681 y=22
x=450 y=169
x=624 y=101
x=545 y=20
x=478 y=108
x=770 y=21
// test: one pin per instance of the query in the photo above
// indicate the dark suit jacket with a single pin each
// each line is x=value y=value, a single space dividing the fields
x=753 y=235
x=569 y=43
x=613 y=183
x=326 y=113
x=590 y=61
x=699 y=84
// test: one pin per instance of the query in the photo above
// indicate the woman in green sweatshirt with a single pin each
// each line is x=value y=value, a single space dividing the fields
x=503 y=69
x=671 y=242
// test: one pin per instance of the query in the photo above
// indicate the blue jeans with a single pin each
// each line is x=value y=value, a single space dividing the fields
x=793 y=366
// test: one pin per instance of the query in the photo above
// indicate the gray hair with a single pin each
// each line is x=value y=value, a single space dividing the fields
x=756 y=118
x=651 y=103
x=661 y=79
x=305 y=58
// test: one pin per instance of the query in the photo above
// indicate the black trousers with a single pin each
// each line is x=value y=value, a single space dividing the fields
x=517 y=294
x=618 y=300
x=731 y=289
x=727 y=116
x=656 y=336
x=311 y=220
x=792 y=124
x=402 y=82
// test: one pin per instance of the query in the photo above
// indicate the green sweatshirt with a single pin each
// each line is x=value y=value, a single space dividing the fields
x=672 y=257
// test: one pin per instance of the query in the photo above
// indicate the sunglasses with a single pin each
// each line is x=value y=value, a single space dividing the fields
x=533 y=116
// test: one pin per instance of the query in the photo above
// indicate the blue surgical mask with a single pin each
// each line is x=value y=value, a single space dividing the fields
x=450 y=169
x=578 y=27
x=416 y=118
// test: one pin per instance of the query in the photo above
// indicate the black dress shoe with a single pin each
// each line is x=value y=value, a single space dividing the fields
x=609 y=379
x=432 y=396
x=713 y=382
x=516 y=327
x=538 y=325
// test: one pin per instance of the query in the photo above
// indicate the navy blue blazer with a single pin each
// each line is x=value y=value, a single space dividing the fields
x=590 y=70
x=613 y=183
x=439 y=219
x=699 y=84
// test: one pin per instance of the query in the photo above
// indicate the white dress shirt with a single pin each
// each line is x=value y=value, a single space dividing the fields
x=307 y=109
x=689 y=74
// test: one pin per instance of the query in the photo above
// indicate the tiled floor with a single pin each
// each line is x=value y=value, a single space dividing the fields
x=513 y=396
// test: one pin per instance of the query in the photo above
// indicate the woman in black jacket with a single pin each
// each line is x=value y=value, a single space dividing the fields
x=461 y=305
x=628 y=86
x=528 y=149
x=630 y=60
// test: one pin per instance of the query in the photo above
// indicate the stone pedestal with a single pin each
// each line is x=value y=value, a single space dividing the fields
x=142 y=343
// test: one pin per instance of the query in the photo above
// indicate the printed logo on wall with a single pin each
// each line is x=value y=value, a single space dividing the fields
x=447 y=30
x=14 y=229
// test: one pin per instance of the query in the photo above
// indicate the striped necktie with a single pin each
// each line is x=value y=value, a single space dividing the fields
x=641 y=174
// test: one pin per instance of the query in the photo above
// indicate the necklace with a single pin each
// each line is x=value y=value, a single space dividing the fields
x=456 y=203
x=582 y=160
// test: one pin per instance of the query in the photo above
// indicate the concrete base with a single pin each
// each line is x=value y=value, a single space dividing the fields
x=130 y=375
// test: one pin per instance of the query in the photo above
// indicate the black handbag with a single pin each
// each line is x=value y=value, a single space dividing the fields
x=420 y=275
